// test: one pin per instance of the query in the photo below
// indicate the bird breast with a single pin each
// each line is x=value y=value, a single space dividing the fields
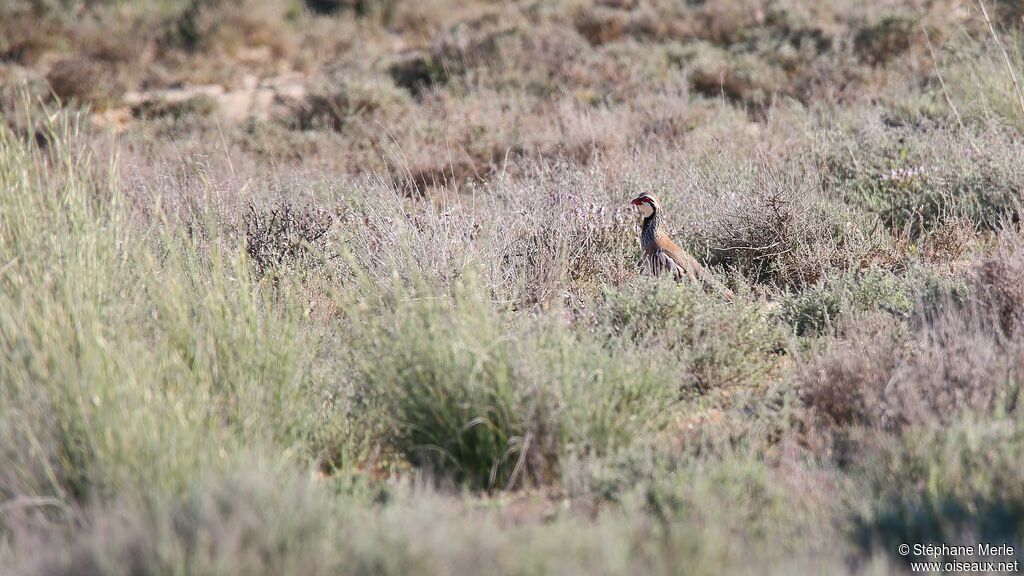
x=649 y=234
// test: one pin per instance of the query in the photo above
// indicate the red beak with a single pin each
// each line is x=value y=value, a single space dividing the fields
x=637 y=201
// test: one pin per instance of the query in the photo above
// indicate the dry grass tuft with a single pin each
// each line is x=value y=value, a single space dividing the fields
x=284 y=234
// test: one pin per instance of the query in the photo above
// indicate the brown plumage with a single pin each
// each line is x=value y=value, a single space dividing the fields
x=662 y=255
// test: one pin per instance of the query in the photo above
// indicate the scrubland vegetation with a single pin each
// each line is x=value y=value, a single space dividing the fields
x=352 y=286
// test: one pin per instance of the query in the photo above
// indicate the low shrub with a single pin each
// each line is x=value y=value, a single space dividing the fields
x=772 y=226
x=998 y=283
x=271 y=523
x=600 y=25
x=823 y=307
x=711 y=515
x=381 y=9
x=285 y=234
x=84 y=81
x=697 y=501
x=917 y=182
x=955 y=363
x=846 y=383
x=476 y=398
x=200 y=106
x=228 y=26
x=417 y=72
x=884 y=40
x=341 y=104
x=745 y=78
x=959 y=485
x=713 y=342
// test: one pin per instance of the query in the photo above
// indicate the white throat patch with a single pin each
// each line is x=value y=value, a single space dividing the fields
x=646 y=209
